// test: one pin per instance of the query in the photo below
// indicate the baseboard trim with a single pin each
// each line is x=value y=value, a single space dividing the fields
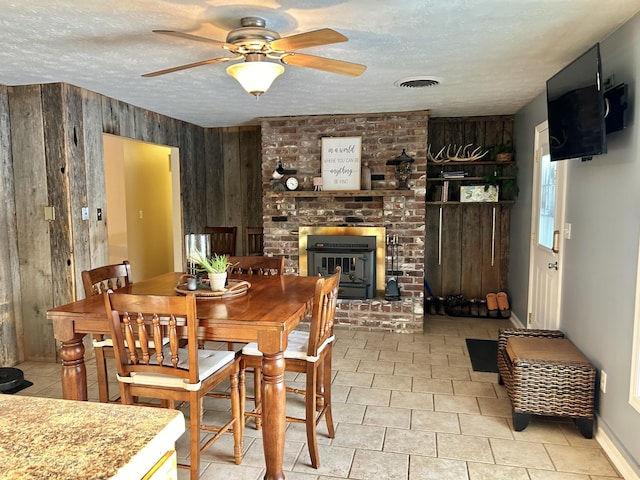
x=516 y=321
x=615 y=456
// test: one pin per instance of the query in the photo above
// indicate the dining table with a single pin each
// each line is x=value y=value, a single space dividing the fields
x=271 y=308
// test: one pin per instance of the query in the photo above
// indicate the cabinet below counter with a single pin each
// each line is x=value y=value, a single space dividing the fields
x=70 y=440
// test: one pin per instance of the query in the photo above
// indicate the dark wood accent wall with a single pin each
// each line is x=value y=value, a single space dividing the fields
x=51 y=154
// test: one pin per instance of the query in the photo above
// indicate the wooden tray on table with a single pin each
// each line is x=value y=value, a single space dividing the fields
x=234 y=288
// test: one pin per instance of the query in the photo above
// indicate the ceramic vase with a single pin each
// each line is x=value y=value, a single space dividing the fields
x=217 y=281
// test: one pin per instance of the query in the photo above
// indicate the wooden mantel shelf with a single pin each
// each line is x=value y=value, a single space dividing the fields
x=343 y=193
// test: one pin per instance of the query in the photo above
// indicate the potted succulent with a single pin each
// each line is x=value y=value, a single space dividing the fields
x=216 y=267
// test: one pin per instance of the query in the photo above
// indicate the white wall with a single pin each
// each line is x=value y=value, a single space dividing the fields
x=601 y=258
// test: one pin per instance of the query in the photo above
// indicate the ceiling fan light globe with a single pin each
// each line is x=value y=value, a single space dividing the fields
x=255 y=77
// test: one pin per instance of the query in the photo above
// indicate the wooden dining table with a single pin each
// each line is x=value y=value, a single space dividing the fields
x=272 y=307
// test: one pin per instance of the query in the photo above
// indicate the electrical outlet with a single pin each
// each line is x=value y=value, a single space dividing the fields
x=85 y=213
x=567 y=231
x=603 y=381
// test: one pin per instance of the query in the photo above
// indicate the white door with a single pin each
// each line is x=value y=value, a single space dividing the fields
x=548 y=234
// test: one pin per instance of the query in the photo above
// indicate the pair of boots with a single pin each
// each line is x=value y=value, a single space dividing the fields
x=498 y=305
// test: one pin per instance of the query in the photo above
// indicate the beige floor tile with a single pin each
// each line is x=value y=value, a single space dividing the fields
x=464 y=447
x=339 y=393
x=541 y=431
x=369 y=464
x=520 y=454
x=392 y=382
x=473 y=389
x=389 y=356
x=428 y=338
x=412 y=400
x=483 y=471
x=448 y=349
x=412 y=442
x=459 y=361
x=435 y=421
x=453 y=373
x=416 y=347
x=485 y=426
x=297 y=432
x=359 y=436
x=348 y=412
x=367 y=366
x=361 y=354
x=450 y=403
x=382 y=344
x=412 y=370
x=427 y=468
x=369 y=396
x=334 y=462
x=353 y=379
x=432 y=385
x=548 y=475
x=212 y=471
x=431 y=358
x=568 y=458
x=498 y=407
x=254 y=455
x=345 y=364
x=387 y=416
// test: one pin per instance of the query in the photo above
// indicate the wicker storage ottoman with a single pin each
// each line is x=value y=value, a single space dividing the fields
x=546 y=374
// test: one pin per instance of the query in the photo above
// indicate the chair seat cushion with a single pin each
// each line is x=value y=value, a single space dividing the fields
x=209 y=362
x=544 y=349
x=297 y=347
x=108 y=342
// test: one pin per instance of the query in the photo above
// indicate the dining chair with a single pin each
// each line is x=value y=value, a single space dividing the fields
x=223 y=240
x=173 y=373
x=95 y=282
x=253 y=241
x=257 y=265
x=309 y=353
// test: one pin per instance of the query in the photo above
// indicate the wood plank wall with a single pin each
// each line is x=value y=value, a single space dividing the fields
x=465 y=265
x=51 y=154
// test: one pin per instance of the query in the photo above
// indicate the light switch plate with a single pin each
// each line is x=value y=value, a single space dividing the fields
x=85 y=213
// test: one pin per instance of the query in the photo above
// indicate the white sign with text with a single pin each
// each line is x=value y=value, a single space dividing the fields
x=341 y=163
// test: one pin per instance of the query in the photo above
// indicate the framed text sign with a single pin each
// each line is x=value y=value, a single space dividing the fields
x=341 y=163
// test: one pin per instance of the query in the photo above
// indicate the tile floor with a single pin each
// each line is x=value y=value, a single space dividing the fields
x=406 y=406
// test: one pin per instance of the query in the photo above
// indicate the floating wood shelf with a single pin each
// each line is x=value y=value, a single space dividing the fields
x=343 y=193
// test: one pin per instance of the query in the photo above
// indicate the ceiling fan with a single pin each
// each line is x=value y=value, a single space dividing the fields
x=256 y=45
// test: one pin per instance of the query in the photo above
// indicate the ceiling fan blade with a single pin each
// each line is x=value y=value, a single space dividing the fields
x=188 y=36
x=322 y=63
x=324 y=36
x=190 y=65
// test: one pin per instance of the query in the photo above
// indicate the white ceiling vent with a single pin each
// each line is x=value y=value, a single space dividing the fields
x=417 y=82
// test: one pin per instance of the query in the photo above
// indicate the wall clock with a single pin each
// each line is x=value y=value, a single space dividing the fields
x=292 y=183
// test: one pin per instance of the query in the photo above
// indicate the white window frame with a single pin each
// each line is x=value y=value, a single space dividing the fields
x=634 y=390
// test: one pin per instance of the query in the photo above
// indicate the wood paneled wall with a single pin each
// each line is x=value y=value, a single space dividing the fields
x=51 y=154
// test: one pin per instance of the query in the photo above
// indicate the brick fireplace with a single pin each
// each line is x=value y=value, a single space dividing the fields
x=296 y=142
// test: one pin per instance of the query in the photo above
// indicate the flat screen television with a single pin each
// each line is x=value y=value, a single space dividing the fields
x=575 y=108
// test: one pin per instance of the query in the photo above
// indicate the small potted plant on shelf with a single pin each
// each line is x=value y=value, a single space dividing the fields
x=507 y=185
x=216 y=267
x=502 y=152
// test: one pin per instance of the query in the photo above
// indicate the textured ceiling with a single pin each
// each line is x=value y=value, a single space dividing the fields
x=492 y=56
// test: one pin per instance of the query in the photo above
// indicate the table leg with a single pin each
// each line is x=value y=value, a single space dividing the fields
x=74 y=372
x=274 y=420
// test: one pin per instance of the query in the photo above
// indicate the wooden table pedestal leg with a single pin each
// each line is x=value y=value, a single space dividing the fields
x=273 y=414
x=74 y=372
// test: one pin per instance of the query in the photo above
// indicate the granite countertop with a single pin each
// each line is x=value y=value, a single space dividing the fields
x=44 y=438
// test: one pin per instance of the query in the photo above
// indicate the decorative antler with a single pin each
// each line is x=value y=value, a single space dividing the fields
x=460 y=154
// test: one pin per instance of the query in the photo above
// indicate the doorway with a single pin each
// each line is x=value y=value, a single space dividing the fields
x=548 y=235
x=143 y=208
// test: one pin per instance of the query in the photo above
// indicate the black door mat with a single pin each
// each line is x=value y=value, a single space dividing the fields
x=483 y=355
x=22 y=386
